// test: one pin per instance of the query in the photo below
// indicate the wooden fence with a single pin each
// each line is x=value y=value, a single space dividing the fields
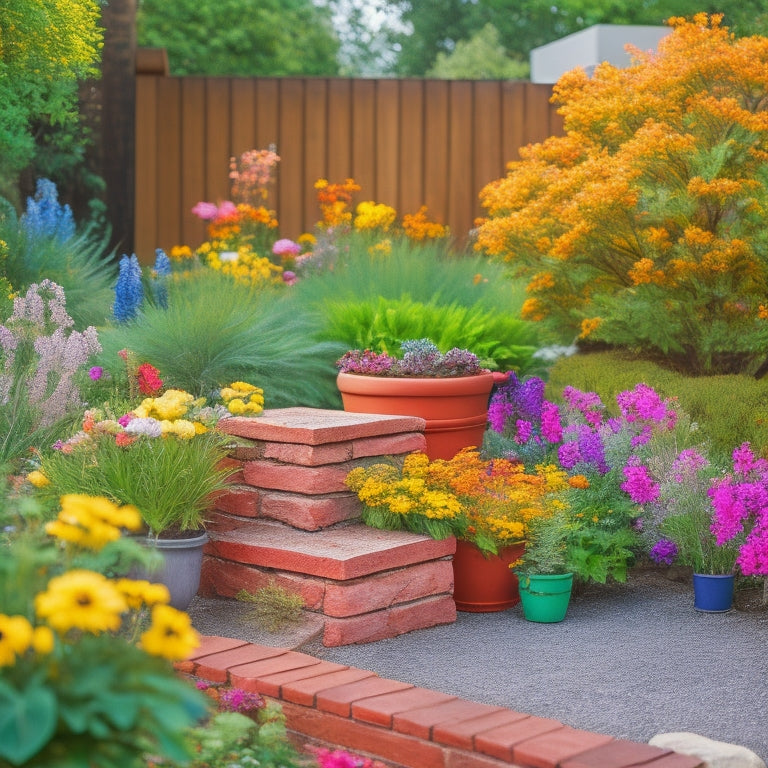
x=406 y=142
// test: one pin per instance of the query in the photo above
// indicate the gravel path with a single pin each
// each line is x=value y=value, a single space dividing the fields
x=630 y=660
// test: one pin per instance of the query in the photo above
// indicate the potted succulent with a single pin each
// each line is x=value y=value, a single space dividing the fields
x=449 y=390
x=165 y=458
x=486 y=504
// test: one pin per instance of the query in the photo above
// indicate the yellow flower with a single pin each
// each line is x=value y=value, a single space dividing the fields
x=170 y=635
x=38 y=479
x=81 y=599
x=15 y=638
x=140 y=592
x=92 y=521
x=42 y=640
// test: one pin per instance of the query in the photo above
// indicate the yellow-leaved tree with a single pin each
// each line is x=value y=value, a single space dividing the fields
x=644 y=225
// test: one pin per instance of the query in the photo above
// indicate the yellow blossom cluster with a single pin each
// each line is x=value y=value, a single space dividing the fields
x=243 y=265
x=489 y=502
x=418 y=227
x=374 y=216
x=92 y=521
x=242 y=398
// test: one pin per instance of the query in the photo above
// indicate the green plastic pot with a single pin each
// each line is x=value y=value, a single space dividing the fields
x=545 y=597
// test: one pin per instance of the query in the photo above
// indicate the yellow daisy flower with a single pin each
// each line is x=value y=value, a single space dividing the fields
x=81 y=599
x=15 y=638
x=170 y=635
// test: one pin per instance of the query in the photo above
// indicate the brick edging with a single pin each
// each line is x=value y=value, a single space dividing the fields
x=408 y=725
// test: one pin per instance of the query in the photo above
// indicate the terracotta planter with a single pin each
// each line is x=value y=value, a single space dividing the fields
x=485 y=585
x=455 y=409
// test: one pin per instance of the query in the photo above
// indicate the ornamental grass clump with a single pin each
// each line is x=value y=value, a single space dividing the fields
x=85 y=651
x=489 y=503
x=164 y=456
x=643 y=227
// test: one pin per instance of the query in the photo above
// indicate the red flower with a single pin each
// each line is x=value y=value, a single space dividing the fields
x=149 y=379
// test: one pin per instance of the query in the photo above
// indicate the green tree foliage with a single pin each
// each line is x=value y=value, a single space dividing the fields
x=239 y=37
x=437 y=26
x=46 y=48
x=482 y=57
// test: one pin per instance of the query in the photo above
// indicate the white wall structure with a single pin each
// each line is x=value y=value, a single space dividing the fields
x=590 y=47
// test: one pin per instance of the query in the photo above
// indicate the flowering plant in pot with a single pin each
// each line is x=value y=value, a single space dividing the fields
x=487 y=502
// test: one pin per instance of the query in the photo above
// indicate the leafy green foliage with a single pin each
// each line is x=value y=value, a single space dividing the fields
x=236 y=37
x=500 y=341
x=727 y=410
x=216 y=331
x=481 y=57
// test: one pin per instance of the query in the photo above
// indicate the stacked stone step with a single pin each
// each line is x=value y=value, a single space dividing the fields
x=288 y=519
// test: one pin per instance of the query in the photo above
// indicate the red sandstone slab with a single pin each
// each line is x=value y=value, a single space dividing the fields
x=548 y=750
x=339 y=700
x=461 y=759
x=215 y=667
x=343 y=552
x=391 y=622
x=676 y=760
x=618 y=753
x=499 y=742
x=381 y=709
x=315 y=426
x=304 y=691
x=462 y=733
x=379 y=591
x=270 y=685
x=310 y=513
x=420 y=722
x=220 y=578
x=389 y=445
x=272 y=475
x=239 y=500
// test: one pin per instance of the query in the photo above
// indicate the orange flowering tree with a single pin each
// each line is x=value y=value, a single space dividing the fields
x=644 y=226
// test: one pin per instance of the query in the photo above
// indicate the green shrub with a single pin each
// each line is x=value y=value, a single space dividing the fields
x=500 y=341
x=728 y=409
x=216 y=331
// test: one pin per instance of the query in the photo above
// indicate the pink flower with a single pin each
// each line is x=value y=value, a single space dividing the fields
x=205 y=211
x=96 y=372
x=286 y=247
x=639 y=484
x=289 y=278
x=226 y=209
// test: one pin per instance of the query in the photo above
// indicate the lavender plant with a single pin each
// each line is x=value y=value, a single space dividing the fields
x=41 y=354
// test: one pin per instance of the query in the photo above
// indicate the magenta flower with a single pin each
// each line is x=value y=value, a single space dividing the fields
x=639 y=485
x=523 y=432
x=286 y=247
x=289 y=278
x=551 y=428
x=664 y=552
x=96 y=372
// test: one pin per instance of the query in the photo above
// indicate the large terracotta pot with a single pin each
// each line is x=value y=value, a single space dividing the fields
x=485 y=584
x=455 y=409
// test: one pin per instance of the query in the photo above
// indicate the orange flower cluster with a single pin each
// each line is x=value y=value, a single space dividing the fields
x=334 y=201
x=418 y=227
x=655 y=196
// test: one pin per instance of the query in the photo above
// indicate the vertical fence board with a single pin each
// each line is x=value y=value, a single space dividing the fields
x=317 y=120
x=487 y=137
x=387 y=146
x=411 y=166
x=291 y=133
x=435 y=142
x=461 y=195
x=364 y=135
x=217 y=138
x=145 y=237
x=339 y=154
x=192 y=158
x=267 y=127
x=243 y=116
x=407 y=143
x=168 y=165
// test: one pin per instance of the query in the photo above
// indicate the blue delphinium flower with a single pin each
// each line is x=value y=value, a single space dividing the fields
x=159 y=281
x=45 y=217
x=129 y=292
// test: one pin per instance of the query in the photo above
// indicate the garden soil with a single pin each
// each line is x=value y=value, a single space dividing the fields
x=630 y=660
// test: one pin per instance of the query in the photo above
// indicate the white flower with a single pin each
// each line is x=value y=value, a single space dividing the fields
x=149 y=426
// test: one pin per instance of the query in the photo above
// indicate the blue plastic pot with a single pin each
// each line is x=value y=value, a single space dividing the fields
x=713 y=593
